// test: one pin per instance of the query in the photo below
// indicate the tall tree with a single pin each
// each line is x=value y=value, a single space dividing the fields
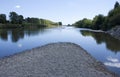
x=20 y=19
x=84 y=23
x=60 y=23
x=114 y=16
x=98 y=21
x=116 y=5
x=3 y=18
x=13 y=17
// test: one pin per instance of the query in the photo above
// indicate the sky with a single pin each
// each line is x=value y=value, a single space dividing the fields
x=66 y=11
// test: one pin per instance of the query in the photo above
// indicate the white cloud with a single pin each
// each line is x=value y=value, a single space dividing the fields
x=112 y=62
x=17 y=6
x=117 y=65
x=112 y=59
x=20 y=45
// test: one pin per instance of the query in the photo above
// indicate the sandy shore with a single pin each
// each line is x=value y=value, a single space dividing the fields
x=53 y=60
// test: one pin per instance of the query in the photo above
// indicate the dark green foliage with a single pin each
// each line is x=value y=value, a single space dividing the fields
x=111 y=43
x=68 y=25
x=38 y=22
x=98 y=22
x=48 y=22
x=85 y=23
x=16 y=21
x=114 y=12
x=114 y=17
x=32 y=20
x=3 y=18
x=60 y=23
x=20 y=19
x=15 y=18
x=115 y=20
x=101 y=22
x=116 y=5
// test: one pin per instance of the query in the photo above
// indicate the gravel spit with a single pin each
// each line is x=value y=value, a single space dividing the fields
x=53 y=60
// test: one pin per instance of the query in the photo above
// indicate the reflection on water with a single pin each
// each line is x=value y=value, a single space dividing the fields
x=4 y=35
x=100 y=45
x=19 y=33
x=110 y=42
x=111 y=60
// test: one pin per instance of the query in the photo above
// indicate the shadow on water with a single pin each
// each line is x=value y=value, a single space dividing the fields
x=110 y=42
x=19 y=33
x=3 y=34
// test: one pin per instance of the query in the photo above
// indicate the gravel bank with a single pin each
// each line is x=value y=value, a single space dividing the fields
x=53 y=60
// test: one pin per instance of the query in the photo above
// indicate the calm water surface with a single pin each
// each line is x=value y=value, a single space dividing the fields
x=100 y=45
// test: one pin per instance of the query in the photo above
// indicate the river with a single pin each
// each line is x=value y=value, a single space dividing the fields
x=101 y=46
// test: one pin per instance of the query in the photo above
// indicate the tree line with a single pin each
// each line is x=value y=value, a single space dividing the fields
x=101 y=22
x=16 y=19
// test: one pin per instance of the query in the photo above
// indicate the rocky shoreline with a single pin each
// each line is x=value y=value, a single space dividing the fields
x=115 y=32
x=53 y=60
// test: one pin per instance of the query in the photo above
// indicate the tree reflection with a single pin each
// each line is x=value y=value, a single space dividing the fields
x=19 y=33
x=33 y=30
x=111 y=43
x=4 y=34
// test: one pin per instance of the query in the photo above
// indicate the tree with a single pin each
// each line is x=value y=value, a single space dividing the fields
x=98 y=21
x=32 y=20
x=115 y=20
x=27 y=19
x=116 y=5
x=42 y=21
x=20 y=19
x=114 y=16
x=87 y=23
x=84 y=23
x=60 y=23
x=102 y=22
x=3 y=18
x=13 y=17
x=35 y=20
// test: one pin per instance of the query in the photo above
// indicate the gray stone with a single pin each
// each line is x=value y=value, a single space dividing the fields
x=115 y=32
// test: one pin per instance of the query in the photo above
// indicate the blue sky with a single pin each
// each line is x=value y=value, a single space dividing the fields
x=67 y=11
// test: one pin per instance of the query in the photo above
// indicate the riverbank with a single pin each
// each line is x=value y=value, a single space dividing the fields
x=53 y=60
x=115 y=32
x=7 y=26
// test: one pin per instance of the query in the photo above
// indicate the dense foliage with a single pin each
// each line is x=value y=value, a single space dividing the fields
x=101 y=22
x=3 y=18
x=16 y=20
x=87 y=23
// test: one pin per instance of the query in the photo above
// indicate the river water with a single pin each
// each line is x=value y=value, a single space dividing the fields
x=101 y=46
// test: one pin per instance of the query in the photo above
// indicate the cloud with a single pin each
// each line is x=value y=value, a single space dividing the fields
x=112 y=59
x=17 y=6
x=19 y=45
x=112 y=62
x=117 y=65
